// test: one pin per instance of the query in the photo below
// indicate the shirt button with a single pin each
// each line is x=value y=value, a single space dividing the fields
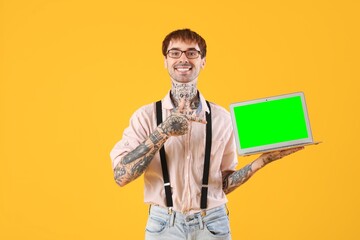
x=188 y=157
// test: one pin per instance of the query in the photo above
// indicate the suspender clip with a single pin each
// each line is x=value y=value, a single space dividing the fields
x=203 y=213
x=170 y=210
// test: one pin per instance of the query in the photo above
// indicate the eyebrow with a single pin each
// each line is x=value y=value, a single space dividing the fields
x=182 y=50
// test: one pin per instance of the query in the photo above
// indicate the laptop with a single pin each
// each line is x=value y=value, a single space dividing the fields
x=271 y=124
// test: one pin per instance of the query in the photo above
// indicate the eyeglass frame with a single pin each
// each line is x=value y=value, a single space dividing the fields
x=192 y=49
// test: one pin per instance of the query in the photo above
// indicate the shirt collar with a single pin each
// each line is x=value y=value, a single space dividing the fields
x=168 y=104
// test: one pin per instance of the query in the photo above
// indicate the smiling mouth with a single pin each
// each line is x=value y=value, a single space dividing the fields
x=183 y=68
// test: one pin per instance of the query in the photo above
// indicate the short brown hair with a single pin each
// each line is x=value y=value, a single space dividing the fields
x=185 y=35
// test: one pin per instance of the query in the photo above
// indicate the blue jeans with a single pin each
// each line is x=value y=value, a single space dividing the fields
x=177 y=226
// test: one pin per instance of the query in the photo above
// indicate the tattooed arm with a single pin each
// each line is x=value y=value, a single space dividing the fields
x=132 y=165
x=237 y=178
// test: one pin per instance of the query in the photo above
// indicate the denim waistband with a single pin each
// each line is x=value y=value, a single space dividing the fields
x=180 y=217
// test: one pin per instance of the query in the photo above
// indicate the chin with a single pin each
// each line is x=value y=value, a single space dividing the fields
x=183 y=79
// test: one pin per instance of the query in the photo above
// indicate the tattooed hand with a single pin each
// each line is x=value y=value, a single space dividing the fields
x=272 y=156
x=178 y=122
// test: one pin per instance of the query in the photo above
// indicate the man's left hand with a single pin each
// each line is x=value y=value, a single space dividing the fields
x=272 y=156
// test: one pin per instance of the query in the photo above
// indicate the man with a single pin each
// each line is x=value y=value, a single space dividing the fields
x=187 y=194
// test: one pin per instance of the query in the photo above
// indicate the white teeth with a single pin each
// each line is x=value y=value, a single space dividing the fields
x=183 y=69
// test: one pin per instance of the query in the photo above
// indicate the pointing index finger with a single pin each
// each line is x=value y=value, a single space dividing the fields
x=181 y=104
x=196 y=118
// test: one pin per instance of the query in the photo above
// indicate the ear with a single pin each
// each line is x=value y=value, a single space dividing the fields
x=165 y=63
x=203 y=62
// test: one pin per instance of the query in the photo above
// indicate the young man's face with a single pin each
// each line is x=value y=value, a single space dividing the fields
x=183 y=69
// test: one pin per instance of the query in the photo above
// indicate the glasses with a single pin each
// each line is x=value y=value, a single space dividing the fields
x=190 y=54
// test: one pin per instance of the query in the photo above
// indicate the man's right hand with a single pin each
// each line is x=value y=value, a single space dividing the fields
x=178 y=122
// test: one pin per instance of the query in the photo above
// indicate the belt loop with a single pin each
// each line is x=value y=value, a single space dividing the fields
x=172 y=217
x=227 y=210
x=201 y=221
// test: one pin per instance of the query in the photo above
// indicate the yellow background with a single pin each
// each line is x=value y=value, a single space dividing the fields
x=73 y=72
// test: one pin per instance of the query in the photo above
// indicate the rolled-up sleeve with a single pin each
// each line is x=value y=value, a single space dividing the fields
x=230 y=159
x=140 y=127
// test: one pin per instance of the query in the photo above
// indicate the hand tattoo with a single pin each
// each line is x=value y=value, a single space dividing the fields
x=175 y=125
x=272 y=156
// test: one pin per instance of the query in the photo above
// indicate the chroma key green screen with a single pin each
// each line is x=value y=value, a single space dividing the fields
x=270 y=122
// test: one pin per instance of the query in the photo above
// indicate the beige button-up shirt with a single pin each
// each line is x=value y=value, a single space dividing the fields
x=185 y=156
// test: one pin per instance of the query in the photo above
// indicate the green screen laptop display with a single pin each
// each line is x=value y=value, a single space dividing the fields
x=270 y=123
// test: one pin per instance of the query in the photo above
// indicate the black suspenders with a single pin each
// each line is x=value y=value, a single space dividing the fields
x=164 y=167
x=204 y=188
x=205 y=181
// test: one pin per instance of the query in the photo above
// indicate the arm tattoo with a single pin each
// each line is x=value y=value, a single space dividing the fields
x=139 y=151
x=135 y=162
x=119 y=172
x=156 y=137
x=140 y=166
x=237 y=178
x=241 y=175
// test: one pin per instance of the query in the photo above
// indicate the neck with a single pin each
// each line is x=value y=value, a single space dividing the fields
x=187 y=91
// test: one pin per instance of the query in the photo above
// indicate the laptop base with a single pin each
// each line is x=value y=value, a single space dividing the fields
x=279 y=149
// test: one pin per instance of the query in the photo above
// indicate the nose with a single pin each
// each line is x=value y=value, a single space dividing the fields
x=183 y=58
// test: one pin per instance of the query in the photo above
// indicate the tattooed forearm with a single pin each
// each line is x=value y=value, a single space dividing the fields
x=237 y=178
x=138 y=152
x=119 y=171
x=135 y=162
x=156 y=137
x=241 y=175
x=140 y=166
